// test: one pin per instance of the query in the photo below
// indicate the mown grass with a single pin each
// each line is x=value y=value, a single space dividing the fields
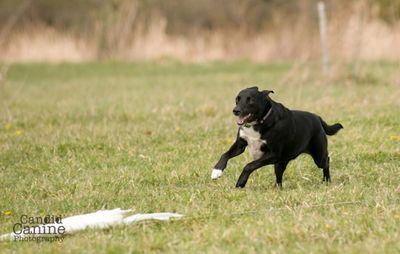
x=79 y=138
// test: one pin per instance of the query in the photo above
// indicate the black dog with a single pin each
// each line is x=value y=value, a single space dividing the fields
x=275 y=135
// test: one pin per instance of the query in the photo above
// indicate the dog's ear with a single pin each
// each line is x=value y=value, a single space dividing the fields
x=253 y=88
x=267 y=92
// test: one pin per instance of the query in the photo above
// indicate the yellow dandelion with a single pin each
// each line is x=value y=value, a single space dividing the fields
x=7 y=212
x=7 y=126
x=18 y=132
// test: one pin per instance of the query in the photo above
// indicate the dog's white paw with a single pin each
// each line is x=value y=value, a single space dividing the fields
x=216 y=173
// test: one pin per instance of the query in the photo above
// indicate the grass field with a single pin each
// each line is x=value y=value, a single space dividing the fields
x=79 y=138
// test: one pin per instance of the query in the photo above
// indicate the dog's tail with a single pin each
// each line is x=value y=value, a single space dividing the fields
x=331 y=129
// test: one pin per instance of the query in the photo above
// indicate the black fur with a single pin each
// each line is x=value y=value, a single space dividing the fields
x=285 y=135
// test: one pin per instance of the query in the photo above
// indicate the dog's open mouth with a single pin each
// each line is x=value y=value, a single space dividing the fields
x=243 y=119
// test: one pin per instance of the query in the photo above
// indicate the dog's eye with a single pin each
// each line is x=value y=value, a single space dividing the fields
x=237 y=99
x=249 y=100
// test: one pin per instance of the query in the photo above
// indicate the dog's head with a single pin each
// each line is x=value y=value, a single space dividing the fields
x=251 y=105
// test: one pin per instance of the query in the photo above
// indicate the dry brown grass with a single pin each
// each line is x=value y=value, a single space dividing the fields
x=41 y=43
x=353 y=35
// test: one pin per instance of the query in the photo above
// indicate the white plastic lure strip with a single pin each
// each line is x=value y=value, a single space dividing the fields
x=99 y=219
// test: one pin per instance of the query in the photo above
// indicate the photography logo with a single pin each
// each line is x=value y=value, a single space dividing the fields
x=39 y=229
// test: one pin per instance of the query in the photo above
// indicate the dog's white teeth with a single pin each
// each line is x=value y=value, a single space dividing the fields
x=216 y=173
x=242 y=120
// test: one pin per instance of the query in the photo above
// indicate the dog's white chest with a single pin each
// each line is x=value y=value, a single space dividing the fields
x=254 y=141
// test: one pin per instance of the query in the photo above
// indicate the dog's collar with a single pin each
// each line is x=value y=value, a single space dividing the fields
x=266 y=116
x=248 y=125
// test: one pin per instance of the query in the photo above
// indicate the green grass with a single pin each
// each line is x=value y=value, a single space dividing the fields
x=79 y=138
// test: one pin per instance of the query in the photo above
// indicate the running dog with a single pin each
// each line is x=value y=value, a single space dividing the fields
x=275 y=135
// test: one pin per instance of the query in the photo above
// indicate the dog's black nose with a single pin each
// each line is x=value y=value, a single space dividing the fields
x=236 y=112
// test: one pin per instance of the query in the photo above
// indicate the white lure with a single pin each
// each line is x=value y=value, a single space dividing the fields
x=99 y=219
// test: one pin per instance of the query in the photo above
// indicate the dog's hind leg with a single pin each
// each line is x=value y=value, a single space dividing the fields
x=323 y=162
x=327 y=176
x=319 y=151
x=279 y=170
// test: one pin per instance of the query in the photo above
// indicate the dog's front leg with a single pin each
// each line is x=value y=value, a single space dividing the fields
x=252 y=166
x=237 y=148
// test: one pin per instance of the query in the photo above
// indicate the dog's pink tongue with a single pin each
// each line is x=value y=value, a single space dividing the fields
x=241 y=120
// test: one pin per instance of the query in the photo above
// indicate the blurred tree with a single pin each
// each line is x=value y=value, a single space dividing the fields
x=389 y=10
x=182 y=16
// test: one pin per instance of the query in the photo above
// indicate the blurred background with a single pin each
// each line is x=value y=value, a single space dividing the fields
x=196 y=31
